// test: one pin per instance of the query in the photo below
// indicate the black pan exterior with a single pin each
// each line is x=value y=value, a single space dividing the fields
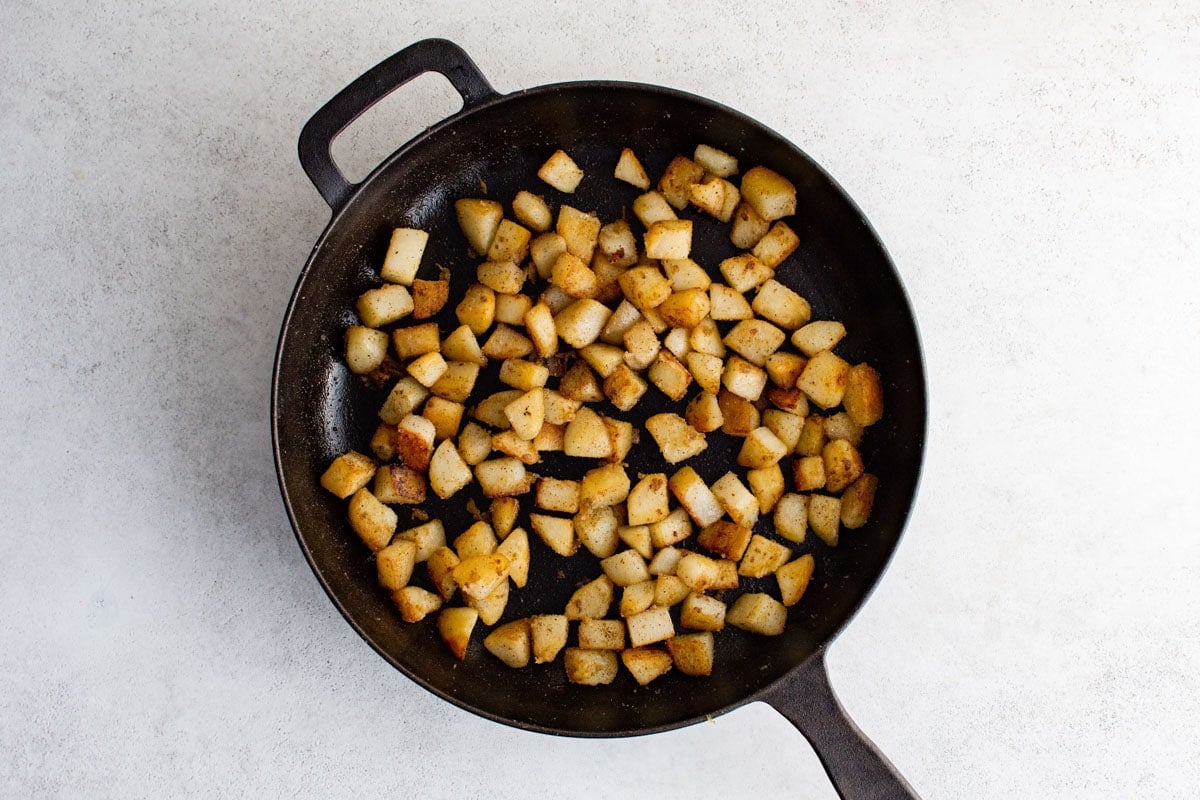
x=321 y=410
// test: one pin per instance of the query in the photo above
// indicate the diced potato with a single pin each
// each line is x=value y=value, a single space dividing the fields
x=602 y=634
x=383 y=442
x=619 y=323
x=728 y=304
x=648 y=501
x=630 y=170
x=707 y=370
x=786 y=426
x=394 y=564
x=620 y=436
x=510 y=244
x=490 y=410
x=763 y=557
x=531 y=210
x=477 y=540
x=478 y=308
x=824 y=516
x=491 y=607
x=748 y=227
x=510 y=643
x=843 y=465
x=549 y=635
x=740 y=415
x=754 y=340
x=706 y=338
x=645 y=287
x=745 y=272
x=812 y=436
x=586 y=436
x=779 y=243
x=573 y=276
x=736 y=499
x=558 y=533
x=824 y=379
x=840 y=426
x=455 y=626
x=652 y=625
x=427 y=369
x=625 y=568
x=715 y=162
x=768 y=486
x=793 y=579
x=701 y=612
x=441 y=564
x=561 y=172
x=743 y=378
x=549 y=438
x=636 y=597
x=646 y=664
x=429 y=537
x=641 y=344
x=781 y=305
x=709 y=196
x=769 y=193
x=603 y=486
x=686 y=274
x=384 y=305
x=680 y=174
x=792 y=401
x=429 y=297
x=733 y=198
x=526 y=414
x=652 y=207
x=761 y=448
x=673 y=528
x=580 y=231
x=503 y=477
x=474 y=444
x=416 y=603
x=727 y=539
x=479 y=220
x=515 y=548
x=503 y=513
x=669 y=590
x=457 y=382
x=696 y=498
x=395 y=484
x=692 y=653
x=671 y=377
x=461 y=345
x=670 y=238
x=863 y=398
x=592 y=600
x=618 y=244
x=596 y=528
x=523 y=375
x=603 y=358
x=704 y=412
x=758 y=613
x=590 y=667
x=539 y=324
x=559 y=409
x=348 y=473
x=505 y=343
x=817 y=336
x=677 y=440
x=665 y=561
x=478 y=576
x=701 y=573
x=785 y=368
x=858 y=500
x=404 y=253
x=809 y=473
x=580 y=323
x=414 y=442
x=637 y=537
x=544 y=250
x=365 y=348
x=624 y=387
x=685 y=309
x=554 y=494
x=503 y=276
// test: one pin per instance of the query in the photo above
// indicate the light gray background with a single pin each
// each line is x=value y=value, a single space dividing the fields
x=1035 y=174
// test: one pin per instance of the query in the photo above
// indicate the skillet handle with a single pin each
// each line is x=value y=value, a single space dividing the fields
x=854 y=764
x=428 y=55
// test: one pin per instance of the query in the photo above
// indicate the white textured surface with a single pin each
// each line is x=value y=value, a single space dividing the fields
x=1035 y=175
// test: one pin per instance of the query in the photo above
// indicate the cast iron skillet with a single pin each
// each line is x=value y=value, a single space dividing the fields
x=319 y=410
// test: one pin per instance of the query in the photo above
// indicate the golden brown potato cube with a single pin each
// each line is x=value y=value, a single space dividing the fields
x=441 y=564
x=548 y=633
x=587 y=436
x=580 y=231
x=700 y=573
x=704 y=412
x=526 y=414
x=348 y=473
x=638 y=538
x=840 y=426
x=490 y=410
x=461 y=345
x=824 y=517
x=784 y=368
x=383 y=442
x=603 y=486
x=630 y=170
x=709 y=196
x=596 y=528
x=523 y=375
x=590 y=667
x=745 y=272
x=477 y=540
x=824 y=379
x=685 y=309
x=675 y=527
x=624 y=388
x=503 y=477
x=768 y=486
x=779 y=243
x=763 y=557
x=652 y=207
x=531 y=210
x=478 y=220
x=550 y=438
x=812 y=437
x=748 y=227
x=619 y=323
x=793 y=579
x=414 y=442
x=384 y=305
x=671 y=377
x=394 y=564
x=809 y=473
x=792 y=401
x=515 y=548
x=504 y=277
x=785 y=425
x=652 y=625
x=636 y=598
x=641 y=344
x=817 y=336
x=491 y=607
x=686 y=274
x=602 y=634
x=580 y=323
x=455 y=626
x=843 y=465
x=479 y=575
x=558 y=533
x=857 y=501
x=474 y=444
x=404 y=253
x=736 y=499
x=395 y=484
x=738 y=414
x=726 y=539
x=761 y=448
x=744 y=379
x=511 y=309
x=429 y=297
x=371 y=520
x=592 y=600
x=539 y=324
x=791 y=517
x=505 y=343
x=415 y=603
x=706 y=338
x=732 y=198
x=758 y=613
x=754 y=340
x=670 y=238
x=728 y=304
x=573 y=276
x=559 y=409
x=700 y=612
x=618 y=244
x=665 y=561
x=427 y=369
x=692 y=653
x=669 y=590
x=677 y=440
x=864 y=395
x=648 y=500
x=554 y=494
x=544 y=250
x=477 y=309
x=446 y=416
x=561 y=172
x=680 y=174
x=510 y=643
x=429 y=537
x=694 y=495
x=365 y=348
x=603 y=358
x=707 y=370
x=645 y=287
x=714 y=161
x=779 y=304
x=769 y=193
x=625 y=568
x=646 y=664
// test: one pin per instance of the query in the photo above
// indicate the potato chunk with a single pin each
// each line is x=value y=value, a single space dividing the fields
x=704 y=412
x=677 y=440
x=678 y=177
x=348 y=473
x=745 y=272
x=592 y=600
x=503 y=477
x=843 y=465
x=455 y=626
x=416 y=603
x=602 y=634
x=728 y=304
x=736 y=499
x=645 y=287
x=779 y=243
x=779 y=304
x=648 y=500
x=554 y=494
x=365 y=348
x=596 y=528
x=695 y=497
x=478 y=220
x=671 y=377
x=727 y=539
x=624 y=387
x=768 y=485
x=758 y=613
x=692 y=653
x=478 y=576
x=748 y=226
x=763 y=557
x=590 y=667
x=793 y=579
x=652 y=207
x=531 y=210
x=561 y=172
x=769 y=193
x=863 y=398
x=625 y=568
x=824 y=379
x=510 y=643
x=384 y=305
x=761 y=448
x=858 y=500
x=685 y=309
x=587 y=436
x=580 y=323
x=714 y=161
x=824 y=516
x=448 y=472
x=701 y=612
x=754 y=340
x=394 y=564
x=404 y=253
x=743 y=378
x=791 y=517
x=650 y=626
x=558 y=533
x=669 y=239
x=548 y=633
x=630 y=170
x=646 y=664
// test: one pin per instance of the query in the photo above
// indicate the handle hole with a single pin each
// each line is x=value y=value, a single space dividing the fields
x=385 y=126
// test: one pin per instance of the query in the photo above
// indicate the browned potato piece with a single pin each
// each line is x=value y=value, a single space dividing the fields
x=511 y=308
x=580 y=231
x=714 y=161
x=478 y=576
x=587 y=436
x=515 y=547
x=630 y=170
x=549 y=635
x=603 y=486
x=505 y=343
x=558 y=533
x=477 y=309
x=526 y=414
x=590 y=667
x=686 y=274
x=748 y=227
x=743 y=378
x=785 y=368
x=680 y=174
x=761 y=448
x=857 y=501
x=394 y=564
x=863 y=398
x=670 y=238
x=736 y=499
x=781 y=305
x=602 y=634
x=415 y=603
x=824 y=379
x=701 y=612
x=763 y=557
x=478 y=220
x=652 y=625
x=785 y=425
x=491 y=608
x=677 y=440
x=414 y=442
x=510 y=643
x=738 y=414
x=685 y=309
x=646 y=663
x=446 y=416
x=573 y=276
x=625 y=568
x=383 y=442
x=652 y=207
x=403 y=258
x=474 y=444
x=824 y=516
x=477 y=540
x=754 y=340
x=348 y=473
x=503 y=277
x=793 y=579
x=429 y=537
x=561 y=172
x=503 y=477
x=395 y=484
x=675 y=527
x=531 y=210
x=580 y=385
x=843 y=465
x=695 y=496
x=704 y=412
x=709 y=196
x=692 y=653
x=745 y=272
x=769 y=193
x=592 y=600
x=645 y=287
x=728 y=304
x=792 y=401
x=384 y=305
x=707 y=370
x=768 y=486
x=580 y=323
x=636 y=598
x=638 y=538
x=791 y=517
x=554 y=494
x=618 y=244
x=779 y=243
x=461 y=345
x=671 y=377
x=808 y=473
x=603 y=358
x=648 y=500
x=758 y=613
x=669 y=591
x=727 y=539
x=596 y=528
x=455 y=626
x=544 y=250
x=365 y=348
x=812 y=436
x=624 y=388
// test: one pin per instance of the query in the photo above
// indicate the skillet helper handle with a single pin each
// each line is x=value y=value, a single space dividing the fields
x=428 y=55
x=858 y=769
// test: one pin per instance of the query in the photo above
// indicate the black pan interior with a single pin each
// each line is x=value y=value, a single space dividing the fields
x=494 y=151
